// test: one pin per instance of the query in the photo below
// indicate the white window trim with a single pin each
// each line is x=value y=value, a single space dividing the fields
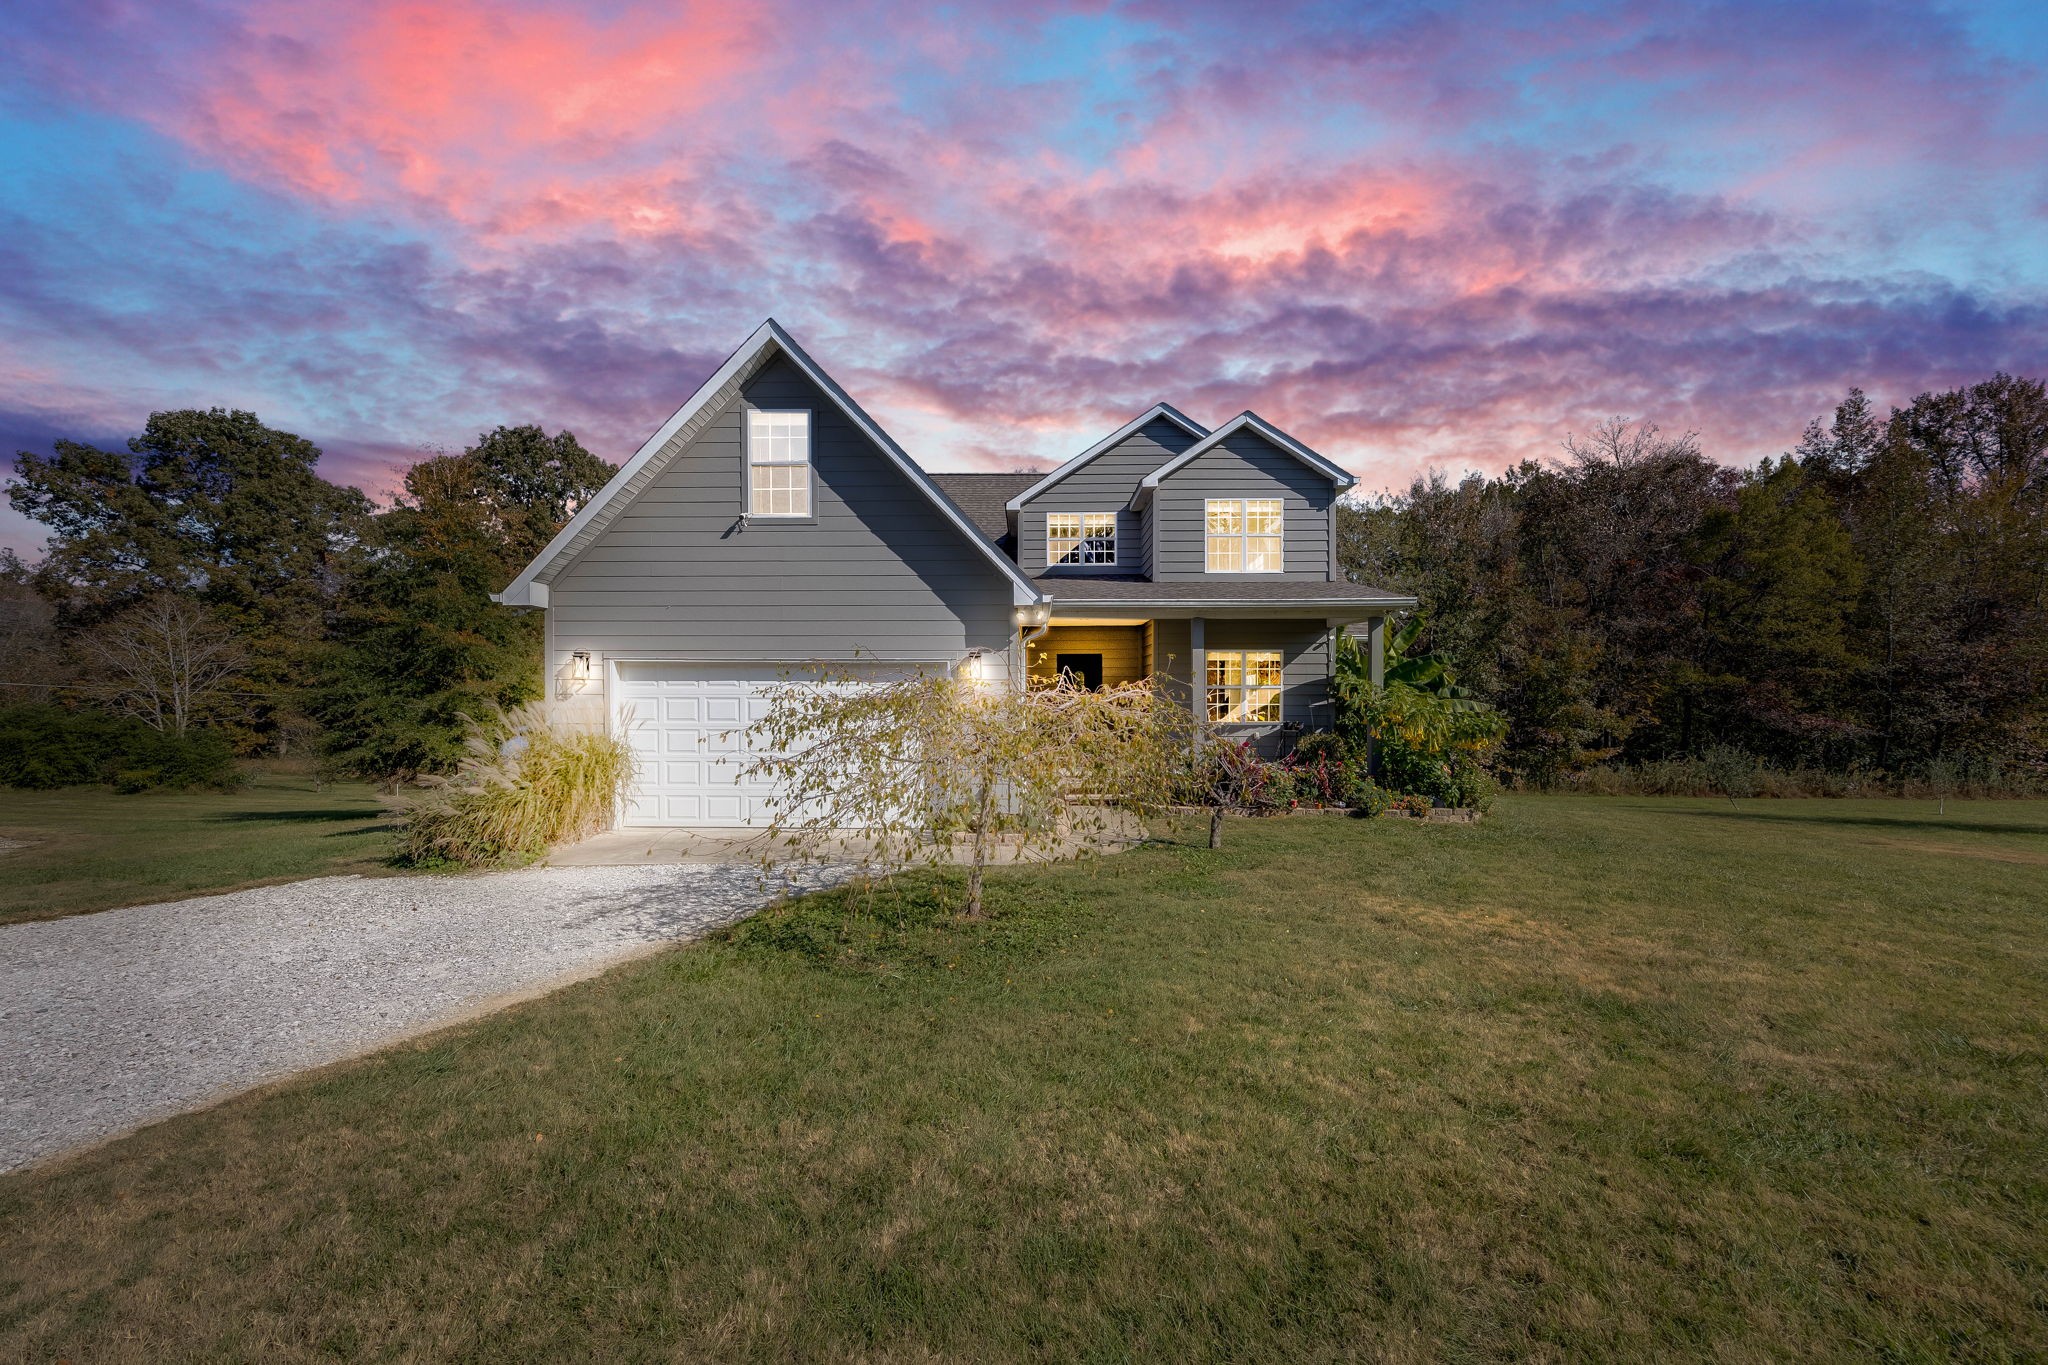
x=810 y=511
x=1115 y=551
x=1238 y=691
x=1244 y=535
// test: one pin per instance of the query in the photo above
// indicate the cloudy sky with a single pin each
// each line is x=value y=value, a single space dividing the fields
x=1415 y=234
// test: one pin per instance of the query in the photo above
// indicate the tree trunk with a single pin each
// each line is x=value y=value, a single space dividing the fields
x=972 y=910
x=1216 y=827
x=984 y=822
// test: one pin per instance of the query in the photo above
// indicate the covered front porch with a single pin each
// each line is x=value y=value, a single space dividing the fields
x=1263 y=674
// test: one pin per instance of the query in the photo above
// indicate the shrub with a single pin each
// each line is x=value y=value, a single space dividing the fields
x=1414 y=804
x=1366 y=797
x=1319 y=773
x=1280 y=789
x=522 y=786
x=1471 y=786
x=1319 y=746
x=45 y=746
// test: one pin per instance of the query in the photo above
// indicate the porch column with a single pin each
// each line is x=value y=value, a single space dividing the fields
x=1198 y=666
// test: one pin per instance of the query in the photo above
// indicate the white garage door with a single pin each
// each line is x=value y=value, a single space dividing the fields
x=687 y=726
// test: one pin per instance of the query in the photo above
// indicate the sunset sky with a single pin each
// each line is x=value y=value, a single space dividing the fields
x=1415 y=235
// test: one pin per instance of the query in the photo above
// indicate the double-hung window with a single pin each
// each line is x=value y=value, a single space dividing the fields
x=1243 y=535
x=778 y=463
x=1244 y=685
x=1080 y=538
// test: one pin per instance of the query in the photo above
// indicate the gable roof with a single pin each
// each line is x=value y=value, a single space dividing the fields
x=981 y=497
x=1128 y=429
x=1249 y=421
x=530 y=588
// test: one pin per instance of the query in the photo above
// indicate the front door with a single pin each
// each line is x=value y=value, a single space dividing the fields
x=1085 y=669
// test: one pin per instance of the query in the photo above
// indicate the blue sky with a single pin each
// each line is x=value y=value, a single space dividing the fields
x=1420 y=236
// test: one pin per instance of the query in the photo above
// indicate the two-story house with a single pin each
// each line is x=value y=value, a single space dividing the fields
x=771 y=525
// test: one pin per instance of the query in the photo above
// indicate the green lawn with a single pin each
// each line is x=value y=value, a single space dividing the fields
x=90 y=849
x=1599 y=1079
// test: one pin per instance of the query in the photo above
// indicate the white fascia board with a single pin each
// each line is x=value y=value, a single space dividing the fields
x=1251 y=421
x=533 y=595
x=1122 y=433
x=1023 y=591
x=525 y=591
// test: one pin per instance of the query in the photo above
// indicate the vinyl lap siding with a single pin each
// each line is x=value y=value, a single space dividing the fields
x=878 y=571
x=1305 y=645
x=1305 y=669
x=1245 y=465
x=1105 y=484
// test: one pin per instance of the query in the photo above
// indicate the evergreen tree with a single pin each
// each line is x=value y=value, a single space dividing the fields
x=418 y=643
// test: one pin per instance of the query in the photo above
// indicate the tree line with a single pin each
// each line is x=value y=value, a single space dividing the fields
x=208 y=579
x=1876 y=599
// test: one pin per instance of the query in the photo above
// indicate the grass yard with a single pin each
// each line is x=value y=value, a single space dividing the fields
x=1599 y=1079
x=91 y=849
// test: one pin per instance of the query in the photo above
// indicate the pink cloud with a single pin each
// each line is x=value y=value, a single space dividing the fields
x=502 y=118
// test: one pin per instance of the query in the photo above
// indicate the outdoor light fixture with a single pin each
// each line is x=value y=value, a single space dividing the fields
x=576 y=676
x=1032 y=616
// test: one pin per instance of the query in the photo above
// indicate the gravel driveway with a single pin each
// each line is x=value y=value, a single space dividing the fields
x=112 y=1020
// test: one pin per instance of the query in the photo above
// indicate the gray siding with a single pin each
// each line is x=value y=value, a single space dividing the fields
x=1307 y=668
x=878 y=570
x=1244 y=465
x=1106 y=483
x=1305 y=673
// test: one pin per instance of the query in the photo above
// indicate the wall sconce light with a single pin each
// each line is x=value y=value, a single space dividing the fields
x=576 y=676
x=1032 y=616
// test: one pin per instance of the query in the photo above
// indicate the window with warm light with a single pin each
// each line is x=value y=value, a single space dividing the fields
x=1080 y=538
x=1243 y=535
x=778 y=463
x=1244 y=685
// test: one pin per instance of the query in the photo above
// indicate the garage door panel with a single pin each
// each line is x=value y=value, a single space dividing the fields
x=687 y=727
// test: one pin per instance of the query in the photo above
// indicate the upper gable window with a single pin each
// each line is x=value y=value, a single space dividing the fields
x=778 y=463
x=1244 y=535
x=1080 y=538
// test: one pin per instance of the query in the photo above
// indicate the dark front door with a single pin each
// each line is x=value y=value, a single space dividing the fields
x=1085 y=669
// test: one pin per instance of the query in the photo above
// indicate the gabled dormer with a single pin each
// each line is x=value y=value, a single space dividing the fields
x=1245 y=503
x=1081 y=520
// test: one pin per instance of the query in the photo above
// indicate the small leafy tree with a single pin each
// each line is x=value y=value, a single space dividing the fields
x=1228 y=777
x=162 y=661
x=913 y=765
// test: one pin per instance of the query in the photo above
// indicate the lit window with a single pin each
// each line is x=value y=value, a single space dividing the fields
x=778 y=464
x=1080 y=537
x=1244 y=535
x=1244 y=685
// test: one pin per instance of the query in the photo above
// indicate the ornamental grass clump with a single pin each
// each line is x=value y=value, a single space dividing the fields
x=523 y=786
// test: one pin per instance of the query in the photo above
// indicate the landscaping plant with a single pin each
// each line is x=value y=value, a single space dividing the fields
x=1429 y=737
x=914 y=762
x=522 y=786
x=46 y=746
